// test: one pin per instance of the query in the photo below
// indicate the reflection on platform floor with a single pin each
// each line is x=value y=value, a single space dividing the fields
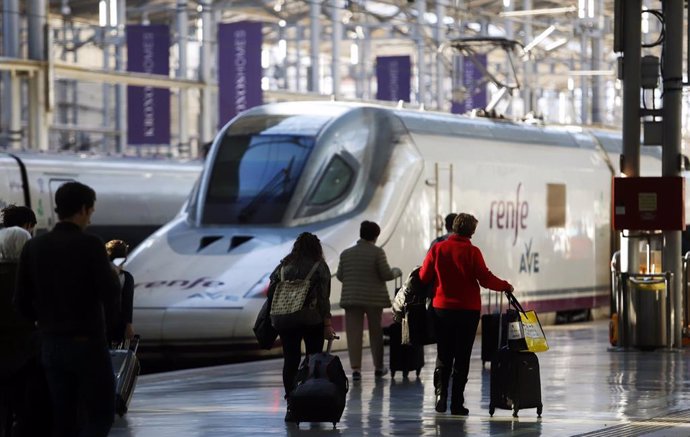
x=587 y=388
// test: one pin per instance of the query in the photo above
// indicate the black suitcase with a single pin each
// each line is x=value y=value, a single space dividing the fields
x=321 y=389
x=515 y=382
x=404 y=357
x=126 y=368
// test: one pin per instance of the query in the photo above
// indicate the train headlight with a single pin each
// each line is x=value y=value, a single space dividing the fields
x=260 y=289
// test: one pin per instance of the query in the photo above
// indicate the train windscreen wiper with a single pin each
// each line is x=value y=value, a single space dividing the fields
x=275 y=185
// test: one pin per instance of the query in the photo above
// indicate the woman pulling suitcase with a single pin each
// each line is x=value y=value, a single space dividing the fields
x=458 y=269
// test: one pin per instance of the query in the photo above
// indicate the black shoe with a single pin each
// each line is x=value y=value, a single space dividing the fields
x=288 y=416
x=459 y=411
x=441 y=403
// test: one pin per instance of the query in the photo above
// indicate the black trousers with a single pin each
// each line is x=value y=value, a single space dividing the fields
x=455 y=333
x=292 y=350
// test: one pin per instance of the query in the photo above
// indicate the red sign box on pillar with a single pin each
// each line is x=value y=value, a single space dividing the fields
x=649 y=203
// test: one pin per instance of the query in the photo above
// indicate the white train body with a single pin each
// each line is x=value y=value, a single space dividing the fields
x=542 y=197
x=134 y=197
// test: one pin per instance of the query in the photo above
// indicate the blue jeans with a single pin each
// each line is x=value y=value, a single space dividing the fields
x=82 y=386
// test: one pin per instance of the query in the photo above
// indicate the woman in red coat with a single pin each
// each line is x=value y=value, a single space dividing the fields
x=458 y=268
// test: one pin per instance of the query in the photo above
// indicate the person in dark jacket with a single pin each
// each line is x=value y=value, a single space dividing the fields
x=117 y=252
x=459 y=269
x=450 y=218
x=24 y=399
x=306 y=252
x=66 y=285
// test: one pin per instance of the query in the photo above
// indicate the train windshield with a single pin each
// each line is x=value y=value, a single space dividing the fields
x=256 y=168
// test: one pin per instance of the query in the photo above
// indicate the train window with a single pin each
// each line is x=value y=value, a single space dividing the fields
x=555 y=205
x=334 y=183
x=253 y=177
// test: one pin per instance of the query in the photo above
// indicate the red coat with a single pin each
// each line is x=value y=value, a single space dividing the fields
x=459 y=269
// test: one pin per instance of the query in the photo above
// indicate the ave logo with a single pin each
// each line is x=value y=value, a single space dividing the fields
x=529 y=261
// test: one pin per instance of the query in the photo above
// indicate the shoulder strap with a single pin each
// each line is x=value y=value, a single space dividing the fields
x=313 y=269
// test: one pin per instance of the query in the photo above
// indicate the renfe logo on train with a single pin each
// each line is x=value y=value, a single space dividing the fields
x=506 y=214
x=512 y=215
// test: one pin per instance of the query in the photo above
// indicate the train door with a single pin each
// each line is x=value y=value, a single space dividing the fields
x=53 y=185
x=443 y=196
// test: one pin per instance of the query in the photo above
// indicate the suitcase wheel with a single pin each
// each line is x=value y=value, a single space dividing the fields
x=418 y=372
x=392 y=373
x=539 y=411
x=491 y=411
x=334 y=425
x=515 y=412
x=405 y=374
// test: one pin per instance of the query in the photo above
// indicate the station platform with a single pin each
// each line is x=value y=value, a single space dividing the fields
x=588 y=389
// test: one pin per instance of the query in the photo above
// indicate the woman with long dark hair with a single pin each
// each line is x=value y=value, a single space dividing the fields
x=306 y=256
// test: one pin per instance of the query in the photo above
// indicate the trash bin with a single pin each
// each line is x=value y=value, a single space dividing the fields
x=647 y=306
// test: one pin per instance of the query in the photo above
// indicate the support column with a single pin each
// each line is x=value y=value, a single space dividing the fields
x=337 y=24
x=314 y=37
x=528 y=79
x=206 y=121
x=120 y=108
x=440 y=68
x=421 y=62
x=11 y=99
x=38 y=115
x=105 y=120
x=630 y=165
x=597 y=115
x=671 y=148
x=182 y=34
x=584 y=80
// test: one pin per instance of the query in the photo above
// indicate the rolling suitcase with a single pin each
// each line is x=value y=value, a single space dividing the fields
x=404 y=357
x=515 y=382
x=126 y=368
x=515 y=378
x=321 y=389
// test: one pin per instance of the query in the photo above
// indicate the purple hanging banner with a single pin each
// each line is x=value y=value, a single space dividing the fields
x=393 y=78
x=474 y=84
x=239 y=68
x=148 y=108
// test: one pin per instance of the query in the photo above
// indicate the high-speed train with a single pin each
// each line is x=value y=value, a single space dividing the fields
x=542 y=196
x=134 y=196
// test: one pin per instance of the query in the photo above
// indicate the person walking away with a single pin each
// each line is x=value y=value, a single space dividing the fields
x=24 y=403
x=459 y=269
x=306 y=256
x=65 y=284
x=449 y=229
x=117 y=251
x=363 y=269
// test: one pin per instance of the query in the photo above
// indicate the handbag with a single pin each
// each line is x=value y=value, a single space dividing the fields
x=294 y=302
x=264 y=331
x=525 y=333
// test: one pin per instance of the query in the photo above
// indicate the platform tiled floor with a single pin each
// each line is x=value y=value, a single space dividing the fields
x=586 y=388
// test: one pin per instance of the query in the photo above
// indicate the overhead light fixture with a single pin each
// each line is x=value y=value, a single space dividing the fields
x=543 y=11
x=591 y=73
x=539 y=38
x=556 y=44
